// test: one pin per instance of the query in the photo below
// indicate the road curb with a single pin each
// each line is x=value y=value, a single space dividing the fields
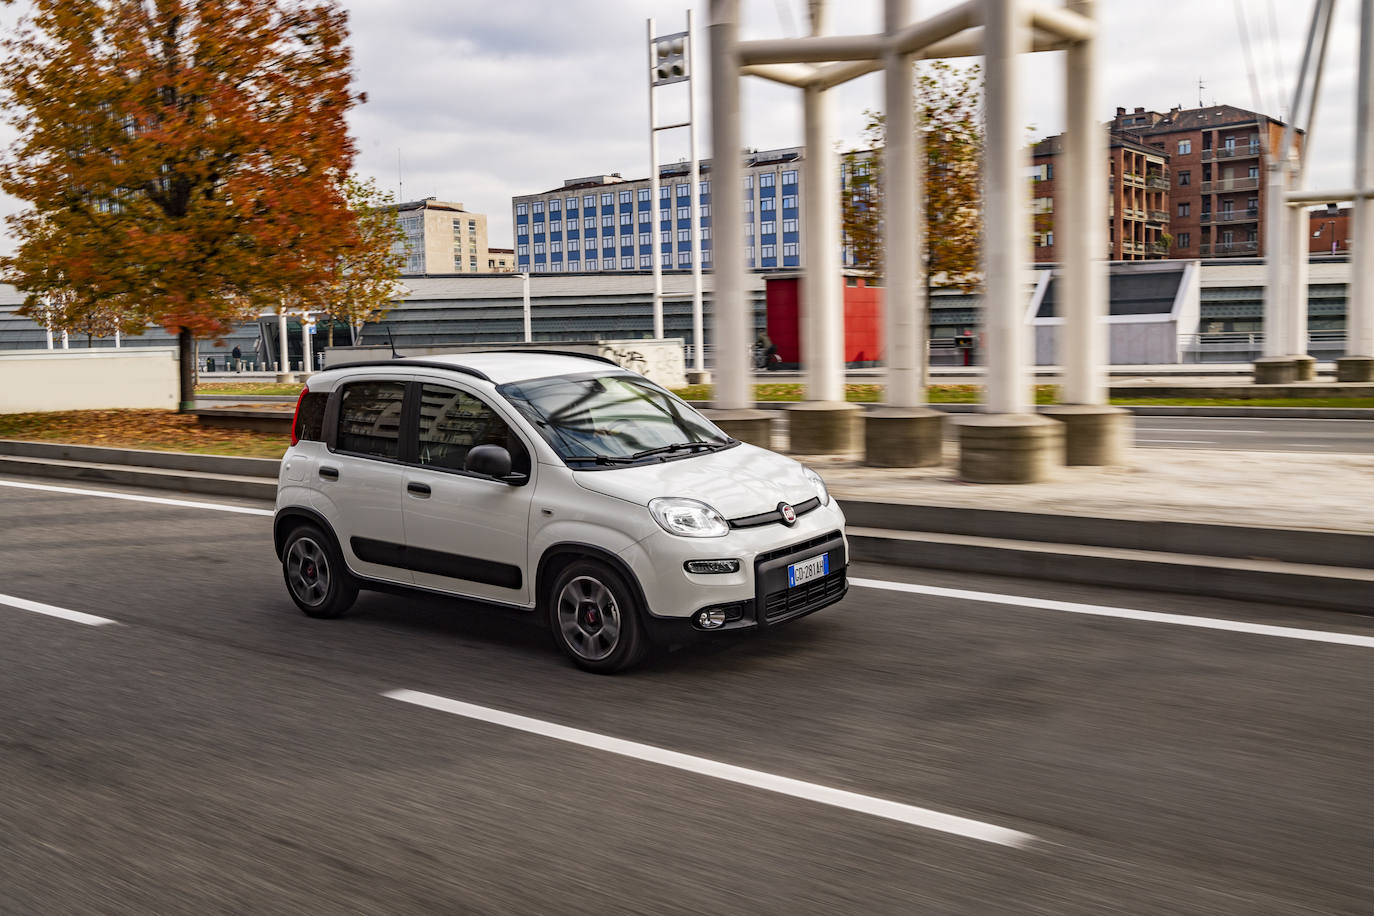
x=142 y=458
x=1142 y=410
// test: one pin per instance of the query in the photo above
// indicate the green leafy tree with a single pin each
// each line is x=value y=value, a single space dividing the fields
x=181 y=159
x=949 y=109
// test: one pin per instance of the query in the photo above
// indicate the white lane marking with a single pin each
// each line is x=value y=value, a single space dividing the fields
x=1097 y=610
x=1174 y=441
x=839 y=798
x=36 y=607
x=133 y=497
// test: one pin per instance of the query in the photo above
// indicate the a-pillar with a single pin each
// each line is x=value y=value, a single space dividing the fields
x=283 y=349
x=732 y=307
x=1008 y=443
x=825 y=423
x=904 y=432
x=1095 y=433
x=1358 y=363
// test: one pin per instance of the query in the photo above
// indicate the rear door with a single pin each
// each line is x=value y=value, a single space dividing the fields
x=362 y=480
x=466 y=534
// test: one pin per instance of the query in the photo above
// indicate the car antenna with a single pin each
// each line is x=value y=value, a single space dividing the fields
x=394 y=354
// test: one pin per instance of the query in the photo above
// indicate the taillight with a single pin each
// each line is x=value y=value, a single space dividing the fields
x=296 y=417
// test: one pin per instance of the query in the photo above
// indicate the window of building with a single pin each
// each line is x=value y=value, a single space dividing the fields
x=684 y=190
x=626 y=219
x=370 y=419
x=789 y=202
x=458 y=262
x=1185 y=209
x=589 y=245
x=627 y=263
x=684 y=212
x=646 y=261
x=769 y=251
x=1254 y=171
x=665 y=237
x=748 y=208
x=684 y=259
x=1183 y=240
x=768 y=228
x=522 y=229
x=643 y=194
x=789 y=250
x=572 y=203
x=538 y=247
x=554 y=205
x=472 y=263
x=589 y=222
x=1185 y=147
x=645 y=238
x=1185 y=178
x=538 y=206
x=522 y=249
x=705 y=210
x=748 y=182
x=625 y=197
x=706 y=232
x=664 y=192
x=789 y=225
x=768 y=203
x=556 y=247
x=684 y=235
x=766 y=180
x=556 y=226
x=608 y=264
x=789 y=177
x=704 y=189
x=607 y=199
x=522 y=209
x=589 y=201
x=608 y=220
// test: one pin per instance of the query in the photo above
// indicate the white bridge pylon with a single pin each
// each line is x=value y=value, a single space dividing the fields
x=1001 y=31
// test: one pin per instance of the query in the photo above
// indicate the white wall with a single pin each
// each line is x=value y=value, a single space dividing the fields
x=41 y=380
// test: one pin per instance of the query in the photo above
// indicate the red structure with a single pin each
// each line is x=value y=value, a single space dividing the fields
x=863 y=318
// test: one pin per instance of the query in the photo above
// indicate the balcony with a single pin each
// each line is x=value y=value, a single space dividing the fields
x=1240 y=151
x=1158 y=216
x=1226 y=185
x=1249 y=215
x=1131 y=179
x=1157 y=182
x=1228 y=249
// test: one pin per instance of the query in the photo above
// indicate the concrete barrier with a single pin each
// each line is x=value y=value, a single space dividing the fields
x=33 y=381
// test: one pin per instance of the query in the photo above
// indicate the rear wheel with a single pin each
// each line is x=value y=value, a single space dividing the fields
x=315 y=574
x=595 y=618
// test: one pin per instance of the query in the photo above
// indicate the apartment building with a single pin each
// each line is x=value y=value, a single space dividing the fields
x=1330 y=229
x=604 y=223
x=1138 y=212
x=443 y=238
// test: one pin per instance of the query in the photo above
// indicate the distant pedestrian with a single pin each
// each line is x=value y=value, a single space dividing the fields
x=238 y=356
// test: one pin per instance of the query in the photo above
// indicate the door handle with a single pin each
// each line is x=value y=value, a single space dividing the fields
x=419 y=489
x=329 y=473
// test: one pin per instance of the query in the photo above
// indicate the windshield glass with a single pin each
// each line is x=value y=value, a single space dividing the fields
x=615 y=419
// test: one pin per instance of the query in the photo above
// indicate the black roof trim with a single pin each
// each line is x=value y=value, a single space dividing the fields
x=410 y=361
x=542 y=352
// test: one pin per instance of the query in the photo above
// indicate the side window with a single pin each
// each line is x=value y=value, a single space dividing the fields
x=452 y=422
x=370 y=418
x=310 y=417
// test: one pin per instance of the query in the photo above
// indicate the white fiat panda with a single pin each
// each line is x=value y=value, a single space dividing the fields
x=555 y=484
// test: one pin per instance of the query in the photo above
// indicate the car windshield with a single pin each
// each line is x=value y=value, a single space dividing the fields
x=612 y=419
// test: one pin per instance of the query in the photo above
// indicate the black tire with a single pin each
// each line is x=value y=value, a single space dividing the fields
x=315 y=575
x=595 y=618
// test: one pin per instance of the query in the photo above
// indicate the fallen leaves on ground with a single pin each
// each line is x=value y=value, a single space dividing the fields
x=160 y=430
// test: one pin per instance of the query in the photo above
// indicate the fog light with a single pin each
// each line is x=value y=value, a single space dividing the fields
x=710 y=567
x=711 y=618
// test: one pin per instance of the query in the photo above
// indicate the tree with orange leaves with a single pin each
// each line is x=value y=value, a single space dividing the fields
x=184 y=160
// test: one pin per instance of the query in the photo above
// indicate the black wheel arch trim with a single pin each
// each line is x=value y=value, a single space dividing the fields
x=280 y=528
x=593 y=552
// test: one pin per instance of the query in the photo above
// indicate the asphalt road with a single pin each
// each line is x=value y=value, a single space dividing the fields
x=214 y=751
x=1256 y=434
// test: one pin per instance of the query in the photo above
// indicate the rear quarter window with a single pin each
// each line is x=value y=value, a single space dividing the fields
x=310 y=417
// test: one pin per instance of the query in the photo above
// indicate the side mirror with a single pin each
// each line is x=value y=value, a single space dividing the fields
x=488 y=460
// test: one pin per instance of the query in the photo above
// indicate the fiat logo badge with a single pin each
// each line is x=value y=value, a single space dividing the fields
x=789 y=515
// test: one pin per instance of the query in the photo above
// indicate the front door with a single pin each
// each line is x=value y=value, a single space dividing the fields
x=466 y=534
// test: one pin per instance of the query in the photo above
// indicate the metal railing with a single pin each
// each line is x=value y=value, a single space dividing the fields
x=1228 y=249
x=1226 y=185
x=1240 y=346
x=1159 y=216
x=1248 y=215
x=1240 y=151
x=1158 y=182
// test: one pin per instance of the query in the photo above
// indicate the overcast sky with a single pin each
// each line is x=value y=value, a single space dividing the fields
x=477 y=101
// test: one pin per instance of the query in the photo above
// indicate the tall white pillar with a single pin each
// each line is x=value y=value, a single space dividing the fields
x=1277 y=256
x=732 y=311
x=1359 y=320
x=656 y=258
x=116 y=338
x=48 y=329
x=525 y=302
x=905 y=322
x=305 y=343
x=1083 y=342
x=822 y=285
x=1006 y=233
x=1295 y=315
x=283 y=348
x=66 y=341
x=698 y=249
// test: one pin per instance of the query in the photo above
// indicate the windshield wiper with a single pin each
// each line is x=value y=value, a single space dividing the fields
x=601 y=459
x=675 y=447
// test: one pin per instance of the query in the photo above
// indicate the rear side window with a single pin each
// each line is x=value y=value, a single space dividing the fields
x=370 y=418
x=310 y=417
x=452 y=422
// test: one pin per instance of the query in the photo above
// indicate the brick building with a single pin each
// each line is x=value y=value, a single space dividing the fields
x=1218 y=156
x=1138 y=199
x=1330 y=230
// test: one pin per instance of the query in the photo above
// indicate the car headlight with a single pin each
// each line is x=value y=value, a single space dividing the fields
x=821 y=492
x=688 y=518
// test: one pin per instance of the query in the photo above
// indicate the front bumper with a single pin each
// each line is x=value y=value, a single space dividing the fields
x=773 y=603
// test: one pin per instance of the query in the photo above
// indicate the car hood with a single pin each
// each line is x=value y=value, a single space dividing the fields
x=738 y=481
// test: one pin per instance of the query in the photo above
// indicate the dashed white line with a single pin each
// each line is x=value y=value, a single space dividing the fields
x=50 y=610
x=702 y=766
x=138 y=498
x=1097 y=610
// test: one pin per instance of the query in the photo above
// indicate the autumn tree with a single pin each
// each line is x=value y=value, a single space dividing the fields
x=181 y=159
x=949 y=110
x=362 y=279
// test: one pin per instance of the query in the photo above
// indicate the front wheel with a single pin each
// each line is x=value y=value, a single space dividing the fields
x=595 y=619
x=315 y=574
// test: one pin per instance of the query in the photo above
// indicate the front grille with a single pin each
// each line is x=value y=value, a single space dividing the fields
x=773 y=516
x=803 y=598
x=796 y=548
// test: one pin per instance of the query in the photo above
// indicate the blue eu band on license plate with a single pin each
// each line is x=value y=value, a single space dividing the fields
x=806 y=570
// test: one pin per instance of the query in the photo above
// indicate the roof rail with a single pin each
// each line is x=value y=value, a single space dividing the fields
x=541 y=352
x=411 y=361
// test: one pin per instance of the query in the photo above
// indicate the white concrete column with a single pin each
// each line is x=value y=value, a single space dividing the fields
x=117 y=338
x=283 y=360
x=1006 y=231
x=48 y=329
x=1277 y=257
x=695 y=157
x=823 y=283
x=731 y=311
x=1083 y=339
x=1359 y=313
x=305 y=342
x=66 y=341
x=525 y=298
x=1295 y=316
x=905 y=323
x=656 y=257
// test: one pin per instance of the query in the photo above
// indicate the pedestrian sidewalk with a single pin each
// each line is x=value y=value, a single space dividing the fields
x=1324 y=492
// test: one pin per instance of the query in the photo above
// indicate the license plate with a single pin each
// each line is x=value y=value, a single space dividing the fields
x=806 y=570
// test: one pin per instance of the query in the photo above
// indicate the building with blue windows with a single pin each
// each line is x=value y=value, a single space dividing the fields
x=606 y=223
